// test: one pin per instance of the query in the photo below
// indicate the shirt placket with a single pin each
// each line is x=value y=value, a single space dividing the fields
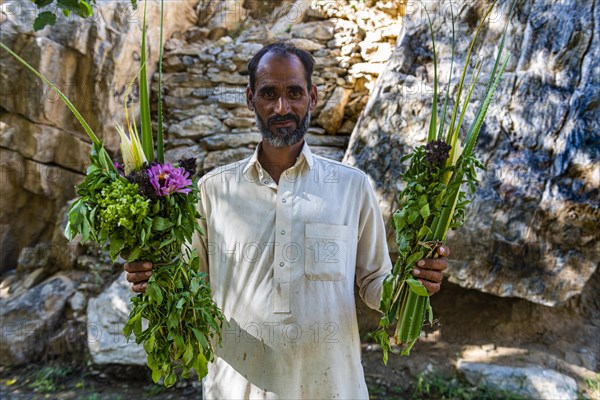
x=283 y=237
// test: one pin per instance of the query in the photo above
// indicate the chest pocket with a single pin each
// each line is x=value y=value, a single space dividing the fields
x=326 y=250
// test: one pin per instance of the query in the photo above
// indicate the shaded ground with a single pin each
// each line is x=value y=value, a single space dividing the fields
x=473 y=325
x=427 y=374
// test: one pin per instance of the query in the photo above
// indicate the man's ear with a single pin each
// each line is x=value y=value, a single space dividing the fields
x=249 y=100
x=314 y=95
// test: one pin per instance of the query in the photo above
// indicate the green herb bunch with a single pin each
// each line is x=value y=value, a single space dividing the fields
x=146 y=210
x=183 y=321
x=433 y=200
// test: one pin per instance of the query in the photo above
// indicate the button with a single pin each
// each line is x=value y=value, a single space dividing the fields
x=283 y=200
x=266 y=182
x=281 y=264
x=283 y=232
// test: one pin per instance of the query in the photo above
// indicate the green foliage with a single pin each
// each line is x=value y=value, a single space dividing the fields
x=183 y=321
x=433 y=200
x=120 y=206
x=433 y=386
x=81 y=8
x=50 y=379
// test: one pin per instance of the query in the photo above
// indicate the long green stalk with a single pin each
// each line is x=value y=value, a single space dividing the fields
x=449 y=138
x=433 y=121
x=63 y=97
x=145 y=123
x=440 y=134
x=160 y=147
x=409 y=300
x=97 y=145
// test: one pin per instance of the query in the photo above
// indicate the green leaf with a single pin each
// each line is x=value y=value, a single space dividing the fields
x=85 y=10
x=155 y=293
x=42 y=19
x=414 y=258
x=200 y=365
x=149 y=346
x=42 y=3
x=71 y=5
x=127 y=330
x=180 y=303
x=412 y=217
x=116 y=245
x=156 y=375
x=170 y=379
x=429 y=312
x=161 y=224
x=417 y=287
x=172 y=320
x=424 y=211
x=188 y=354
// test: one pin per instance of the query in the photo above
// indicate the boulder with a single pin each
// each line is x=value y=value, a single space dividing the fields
x=106 y=316
x=531 y=382
x=30 y=317
x=332 y=114
x=532 y=228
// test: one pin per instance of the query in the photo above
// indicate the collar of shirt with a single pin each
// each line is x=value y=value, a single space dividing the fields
x=254 y=164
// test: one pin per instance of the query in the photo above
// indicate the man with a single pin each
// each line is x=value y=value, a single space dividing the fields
x=288 y=233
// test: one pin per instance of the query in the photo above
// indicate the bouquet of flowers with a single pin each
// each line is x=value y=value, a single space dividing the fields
x=433 y=200
x=145 y=209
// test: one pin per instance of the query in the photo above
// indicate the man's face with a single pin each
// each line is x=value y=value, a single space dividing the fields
x=281 y=101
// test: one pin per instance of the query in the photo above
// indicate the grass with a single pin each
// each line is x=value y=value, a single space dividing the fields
x=50 y=379
x=437 y=387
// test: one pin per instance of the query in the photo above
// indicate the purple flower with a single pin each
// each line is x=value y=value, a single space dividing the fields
x=437 y=152
x=119 y=168
x=167 y=179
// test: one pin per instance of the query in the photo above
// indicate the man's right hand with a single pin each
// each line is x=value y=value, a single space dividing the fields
x=138 y=273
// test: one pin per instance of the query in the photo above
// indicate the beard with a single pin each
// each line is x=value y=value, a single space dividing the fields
x=284 y=137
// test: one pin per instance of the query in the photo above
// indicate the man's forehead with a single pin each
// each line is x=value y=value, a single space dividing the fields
x=275 y=69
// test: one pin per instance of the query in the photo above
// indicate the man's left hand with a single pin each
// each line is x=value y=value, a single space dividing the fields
x=430 y=270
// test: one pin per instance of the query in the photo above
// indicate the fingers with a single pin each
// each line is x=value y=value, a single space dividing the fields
x=135 y=277
x=138 y=266
x=443 y=251
x=139 y=287
x=430 y=270
x=432 y=287
x=436 y=264
x=138 y=273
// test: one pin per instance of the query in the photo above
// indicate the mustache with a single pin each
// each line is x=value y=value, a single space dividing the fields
x=284 y=118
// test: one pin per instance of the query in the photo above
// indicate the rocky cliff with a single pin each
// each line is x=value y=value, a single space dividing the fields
x=43 y=150
x=532 y=229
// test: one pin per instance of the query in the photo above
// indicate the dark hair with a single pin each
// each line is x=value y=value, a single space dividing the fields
x=283 y=49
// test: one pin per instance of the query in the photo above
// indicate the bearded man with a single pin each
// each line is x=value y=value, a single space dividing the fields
x=288 y=234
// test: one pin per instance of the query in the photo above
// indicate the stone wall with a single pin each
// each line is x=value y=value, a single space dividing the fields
x=206 y=72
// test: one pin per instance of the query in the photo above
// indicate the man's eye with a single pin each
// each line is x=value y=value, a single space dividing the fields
x=296 y=93
x=269 y=95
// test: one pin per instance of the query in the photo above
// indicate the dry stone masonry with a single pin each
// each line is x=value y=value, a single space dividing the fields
x=206 y=72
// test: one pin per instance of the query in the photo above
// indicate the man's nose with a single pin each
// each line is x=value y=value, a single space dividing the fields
x=282 y=107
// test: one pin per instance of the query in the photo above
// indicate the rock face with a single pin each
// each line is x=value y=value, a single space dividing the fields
x=43 y=148
x=28 y=319
x=532 y=229
x=530 y=382
x=107 y=314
